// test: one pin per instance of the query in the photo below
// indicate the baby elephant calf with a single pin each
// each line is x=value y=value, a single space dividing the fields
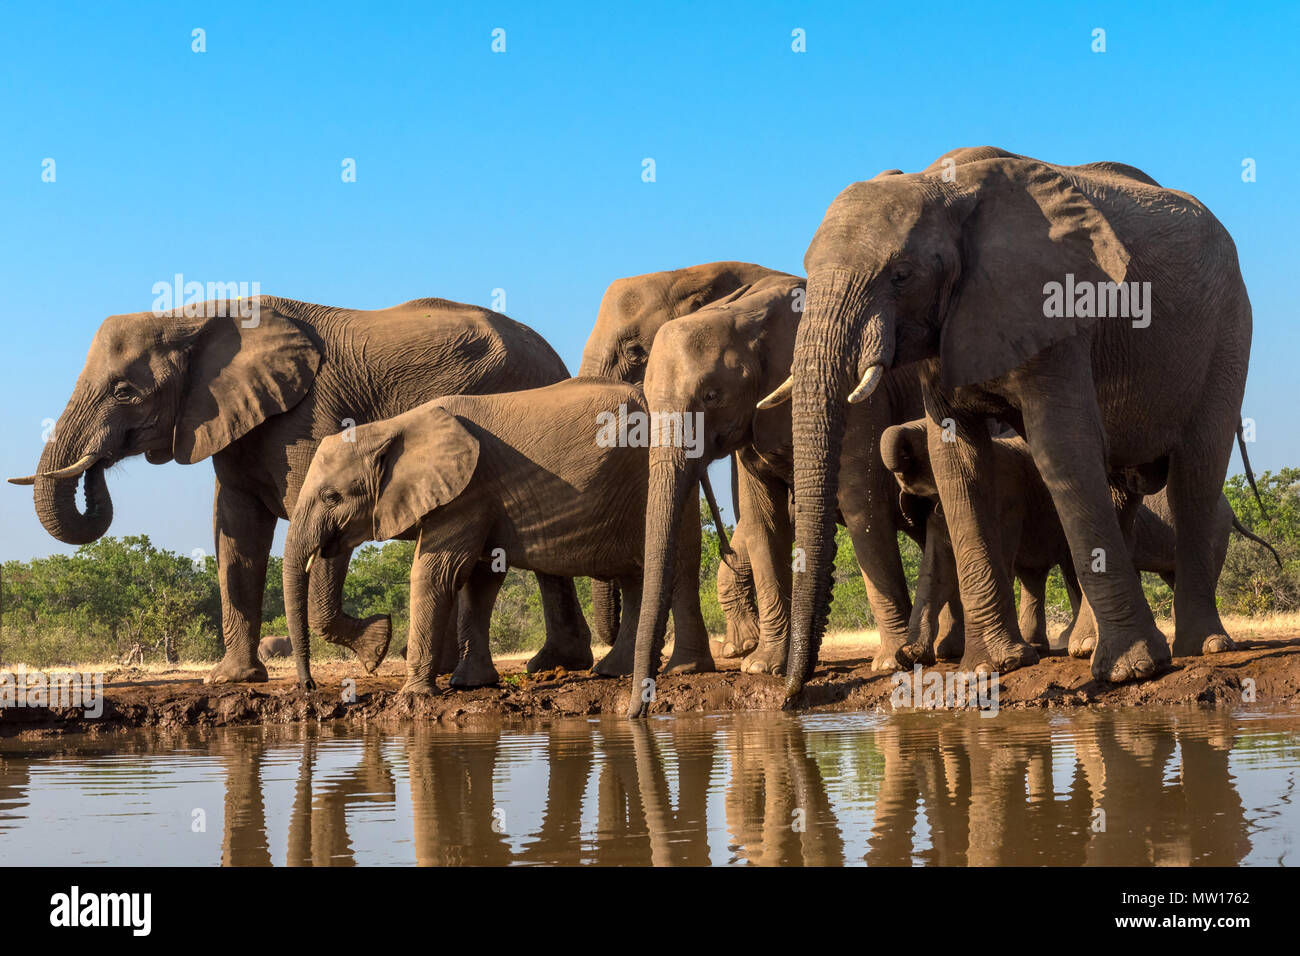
x=526 y=479
x=1032 y=539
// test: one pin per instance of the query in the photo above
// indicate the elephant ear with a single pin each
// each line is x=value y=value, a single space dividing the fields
x=422 y=466
x=1025 y=225
x=239 y=376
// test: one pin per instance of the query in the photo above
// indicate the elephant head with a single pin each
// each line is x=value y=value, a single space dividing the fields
x=634 y=309
x=376 y=483
x=947 y=266
x=706 y=373
x=169 y=386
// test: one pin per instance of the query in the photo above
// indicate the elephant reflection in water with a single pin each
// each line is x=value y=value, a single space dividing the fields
x=457 y=820
x=637 y=823
x=15 y=781
x=988 y=795
x=318 y=824
x=778 y=811
x=1161 y=791
x=318 y=833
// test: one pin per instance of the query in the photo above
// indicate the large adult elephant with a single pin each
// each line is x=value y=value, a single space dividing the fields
x=710 y=369
x=256 y=386
x=632 y=311
x=966 y=268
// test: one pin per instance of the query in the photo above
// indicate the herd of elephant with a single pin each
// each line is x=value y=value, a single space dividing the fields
x=917 y=381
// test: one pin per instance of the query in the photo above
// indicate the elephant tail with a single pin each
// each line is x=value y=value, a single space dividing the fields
x=1250 y=475
x=1242 y=530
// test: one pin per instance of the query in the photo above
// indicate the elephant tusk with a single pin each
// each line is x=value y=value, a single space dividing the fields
x=29 y=480
x=780 y=394
x=306 y=568
x=73 y=470
x=867 y=385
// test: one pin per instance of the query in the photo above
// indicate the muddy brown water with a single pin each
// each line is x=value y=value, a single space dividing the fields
x=1172 y=785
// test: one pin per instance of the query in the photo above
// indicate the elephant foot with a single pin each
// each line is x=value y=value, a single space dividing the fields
x=1000 y=654
x=618 y=662
x=575 y=658
x=909 y=655
x=1131 y=655
x=419 y=685
x=474 y=672
x=731 y=649
x=767 y=658
x=887 y=660
x=950 y=646
x=689 y=660
x=1218 y=643
x=237 y=670
x=1208 y=638
x=1082 y=641
x=741 y=638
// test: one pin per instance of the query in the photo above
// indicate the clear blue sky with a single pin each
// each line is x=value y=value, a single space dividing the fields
x=522 y=170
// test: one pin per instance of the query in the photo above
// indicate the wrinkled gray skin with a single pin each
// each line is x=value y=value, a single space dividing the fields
x=631 y=313
x=1029 y=521
x=269 y=647
x=949 y=268
x=1032 y=540
x=257 y=397
x=718 y=363
x=517 y=477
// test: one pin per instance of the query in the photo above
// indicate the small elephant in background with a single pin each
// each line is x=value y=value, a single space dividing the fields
x=274 y=646
x=1033 y=542
x=536 y=479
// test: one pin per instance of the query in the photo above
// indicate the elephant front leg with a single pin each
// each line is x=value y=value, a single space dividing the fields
x=568 y=639
x=1065 y=435
x=243 y=530
x=936 y=590
x=962 y=460
x=433 y=588
x=736 y=590
x=1033 y=609
x=874 y=533
x=769 y=537
x=368 y=637
x=691 y=652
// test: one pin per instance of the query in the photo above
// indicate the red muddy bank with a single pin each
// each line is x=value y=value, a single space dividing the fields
x=842 y=683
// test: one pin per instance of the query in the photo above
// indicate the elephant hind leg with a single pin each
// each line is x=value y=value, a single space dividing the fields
x=1196 y=477
x=621 y=659
x=568 y=639
x=243 y=531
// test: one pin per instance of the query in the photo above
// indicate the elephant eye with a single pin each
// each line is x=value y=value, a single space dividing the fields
x=330 y=497
x=900 y=276
x=634 y=352
x=711 y=397
x=123 y=391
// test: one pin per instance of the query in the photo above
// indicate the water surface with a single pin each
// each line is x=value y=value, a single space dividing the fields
x=1128 y=787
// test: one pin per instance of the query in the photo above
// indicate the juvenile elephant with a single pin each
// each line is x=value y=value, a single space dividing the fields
x=711 y=368
x=256 y=385
x=278 y=646
x=538 y=479
x=631 y=312
x=1099 y=314
x=1032 y=539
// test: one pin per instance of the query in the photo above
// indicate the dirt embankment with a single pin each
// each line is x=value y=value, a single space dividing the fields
x=1268 y=670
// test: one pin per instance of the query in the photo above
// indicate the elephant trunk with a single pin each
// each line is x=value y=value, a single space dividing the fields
x=299 y=548
x=56 y=498
x=841 y=340
x=671 y=480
